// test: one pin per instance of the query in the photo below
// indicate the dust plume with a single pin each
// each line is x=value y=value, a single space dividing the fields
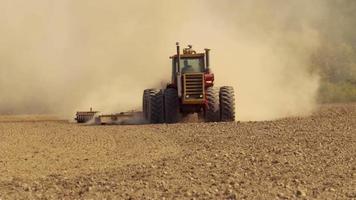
x=57 y=57
x=263 y=49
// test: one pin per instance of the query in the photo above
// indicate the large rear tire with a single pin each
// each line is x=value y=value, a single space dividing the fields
x=227 y=104
x=145 y=99
x=155 y=107
x=212 y=110
x=171 y=105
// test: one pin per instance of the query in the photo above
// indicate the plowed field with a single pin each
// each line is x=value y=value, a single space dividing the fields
x=306 y=158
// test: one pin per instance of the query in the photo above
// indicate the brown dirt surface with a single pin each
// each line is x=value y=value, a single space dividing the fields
x=294 y=158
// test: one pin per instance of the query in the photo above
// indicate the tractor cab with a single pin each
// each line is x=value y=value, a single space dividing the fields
x=191 y=64
x=190 y=61
x=190 y=73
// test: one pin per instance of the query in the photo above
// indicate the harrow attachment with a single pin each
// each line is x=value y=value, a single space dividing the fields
x=131 y=117
x=85 y=116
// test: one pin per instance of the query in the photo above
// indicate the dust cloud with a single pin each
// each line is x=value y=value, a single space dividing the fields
x=57 y=57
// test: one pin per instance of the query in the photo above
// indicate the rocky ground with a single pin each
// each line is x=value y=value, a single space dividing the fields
x=295 y=158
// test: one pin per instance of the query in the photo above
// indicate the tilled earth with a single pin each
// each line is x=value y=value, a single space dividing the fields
x=294 y=158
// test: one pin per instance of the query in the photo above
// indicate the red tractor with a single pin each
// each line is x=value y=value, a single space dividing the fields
x=190 y=91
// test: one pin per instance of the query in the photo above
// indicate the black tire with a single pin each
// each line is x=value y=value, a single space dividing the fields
x=227 y=104
x=145 y=97
x=212 y=109
x=155 y=107
x=171 y=105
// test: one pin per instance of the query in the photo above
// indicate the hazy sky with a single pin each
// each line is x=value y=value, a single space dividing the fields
x=61 y=56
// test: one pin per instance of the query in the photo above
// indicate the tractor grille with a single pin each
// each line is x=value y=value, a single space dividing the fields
x=194 y=86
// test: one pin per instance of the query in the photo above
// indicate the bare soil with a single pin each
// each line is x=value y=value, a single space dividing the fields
x=294 y=158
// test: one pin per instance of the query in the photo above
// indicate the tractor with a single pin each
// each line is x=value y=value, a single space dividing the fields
x=191 y=91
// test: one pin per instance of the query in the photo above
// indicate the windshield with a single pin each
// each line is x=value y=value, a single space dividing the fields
x=189 y=65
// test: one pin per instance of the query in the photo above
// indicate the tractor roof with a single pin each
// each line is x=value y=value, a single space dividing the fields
x=196 y=55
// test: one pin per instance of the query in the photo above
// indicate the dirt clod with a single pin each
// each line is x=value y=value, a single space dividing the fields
x=301 y=193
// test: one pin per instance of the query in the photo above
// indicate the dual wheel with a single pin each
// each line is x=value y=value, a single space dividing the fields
x=160 y=107
x=163 y=107
x=220 y=105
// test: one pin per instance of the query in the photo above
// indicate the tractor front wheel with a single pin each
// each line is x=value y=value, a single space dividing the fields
x=155 y=107
x=212 y=109
x=227 y=104
x=171 y=105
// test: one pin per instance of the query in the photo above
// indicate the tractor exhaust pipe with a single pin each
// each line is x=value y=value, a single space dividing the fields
x=178 y=75
x=207 y=59
x=178 y=57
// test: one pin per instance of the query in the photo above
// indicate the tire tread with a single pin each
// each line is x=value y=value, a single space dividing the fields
x=227 y=103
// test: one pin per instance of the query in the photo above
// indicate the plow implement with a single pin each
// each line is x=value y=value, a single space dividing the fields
x=85 y=116
x=94 y=117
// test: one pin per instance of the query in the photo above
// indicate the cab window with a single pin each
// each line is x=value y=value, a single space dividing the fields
x=191 y=65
